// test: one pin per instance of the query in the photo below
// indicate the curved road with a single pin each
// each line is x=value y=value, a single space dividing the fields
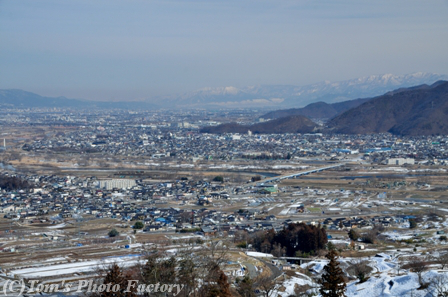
x=275 y=272
x=251 y=269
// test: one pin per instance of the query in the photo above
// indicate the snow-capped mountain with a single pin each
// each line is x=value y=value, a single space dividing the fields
x=296 y=96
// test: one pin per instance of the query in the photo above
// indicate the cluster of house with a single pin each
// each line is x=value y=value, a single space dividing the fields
x=362 y=222
x=53 y=198
x=168 y=135
x=68 y=195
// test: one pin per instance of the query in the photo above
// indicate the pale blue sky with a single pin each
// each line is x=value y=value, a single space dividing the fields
x=110 y=50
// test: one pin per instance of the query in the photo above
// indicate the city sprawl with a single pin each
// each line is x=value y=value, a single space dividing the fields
x=83 y=190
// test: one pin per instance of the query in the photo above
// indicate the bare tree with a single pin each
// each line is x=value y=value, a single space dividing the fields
x=278 y=250
x=218 y=252
x=443 y=260
x=245 y=287
x=399 y=265
x=438 y=286
x=360 y=269
x=419 y=266
x=302 y=291
x=266 y=246
x=266 y=284
x=307 y=290
x=370 y=236
x=198 y=264
x=241 y=236
x=186 y=217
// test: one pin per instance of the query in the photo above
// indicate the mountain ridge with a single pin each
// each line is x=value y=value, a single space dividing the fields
x=261 y=96
x=288 y=96
x=291 y=124
x=420 y=110
x=16 y=98
x=317 y=110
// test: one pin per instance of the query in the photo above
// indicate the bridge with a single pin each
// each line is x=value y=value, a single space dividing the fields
x=299 y=260
x=297 y=174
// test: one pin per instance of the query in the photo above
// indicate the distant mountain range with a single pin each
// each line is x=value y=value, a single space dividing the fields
x=416 y=110
x=284 y=96
x=420 y=110
x=21 y=99
x=263 y=96
x=289 y=124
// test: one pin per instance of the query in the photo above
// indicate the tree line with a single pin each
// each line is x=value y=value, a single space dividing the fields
x=294 y=240
x=197 y=268
x=200 y=273
x=200 y=269
x=11 y=183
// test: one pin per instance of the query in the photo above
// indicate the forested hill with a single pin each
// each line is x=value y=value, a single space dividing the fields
x=421 y=110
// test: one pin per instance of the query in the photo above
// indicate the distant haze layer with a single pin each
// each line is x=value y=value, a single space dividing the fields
x=114 y=50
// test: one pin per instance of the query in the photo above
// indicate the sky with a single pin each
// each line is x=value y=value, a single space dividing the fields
x=141 y=49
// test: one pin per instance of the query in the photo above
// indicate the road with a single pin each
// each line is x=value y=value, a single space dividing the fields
x=251 y=270
x=275 y=271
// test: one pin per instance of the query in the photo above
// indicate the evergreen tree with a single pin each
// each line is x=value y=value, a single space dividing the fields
x=187 y=275
x=297 y=237
x=113 y=233
x=223 y=285
x=115 y=276
x=332 y=283
x=245 y=287
x=412 y=223
x=158 y=269
x=215 y=285
x=138 y=225
x=353 y=235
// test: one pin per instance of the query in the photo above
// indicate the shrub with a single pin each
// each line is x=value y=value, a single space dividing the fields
x=218 y=178
x=242 y=245
x=138 y=225
x=412 y=223
x=353 y=235
x=113 y=233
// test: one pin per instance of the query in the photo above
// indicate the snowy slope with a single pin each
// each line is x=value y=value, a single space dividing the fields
x=384 y=280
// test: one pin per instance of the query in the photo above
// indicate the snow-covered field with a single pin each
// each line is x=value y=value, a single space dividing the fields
x=390 y=285
x=259 y=255
x=76 y=267
x=57 y=226
x=384 y=280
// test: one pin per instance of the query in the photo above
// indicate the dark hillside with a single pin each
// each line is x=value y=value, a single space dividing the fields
x=317 y=110
x=421 y=110
x=291 y=124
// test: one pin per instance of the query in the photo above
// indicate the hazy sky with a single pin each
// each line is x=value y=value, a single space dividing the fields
x=109 y=50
